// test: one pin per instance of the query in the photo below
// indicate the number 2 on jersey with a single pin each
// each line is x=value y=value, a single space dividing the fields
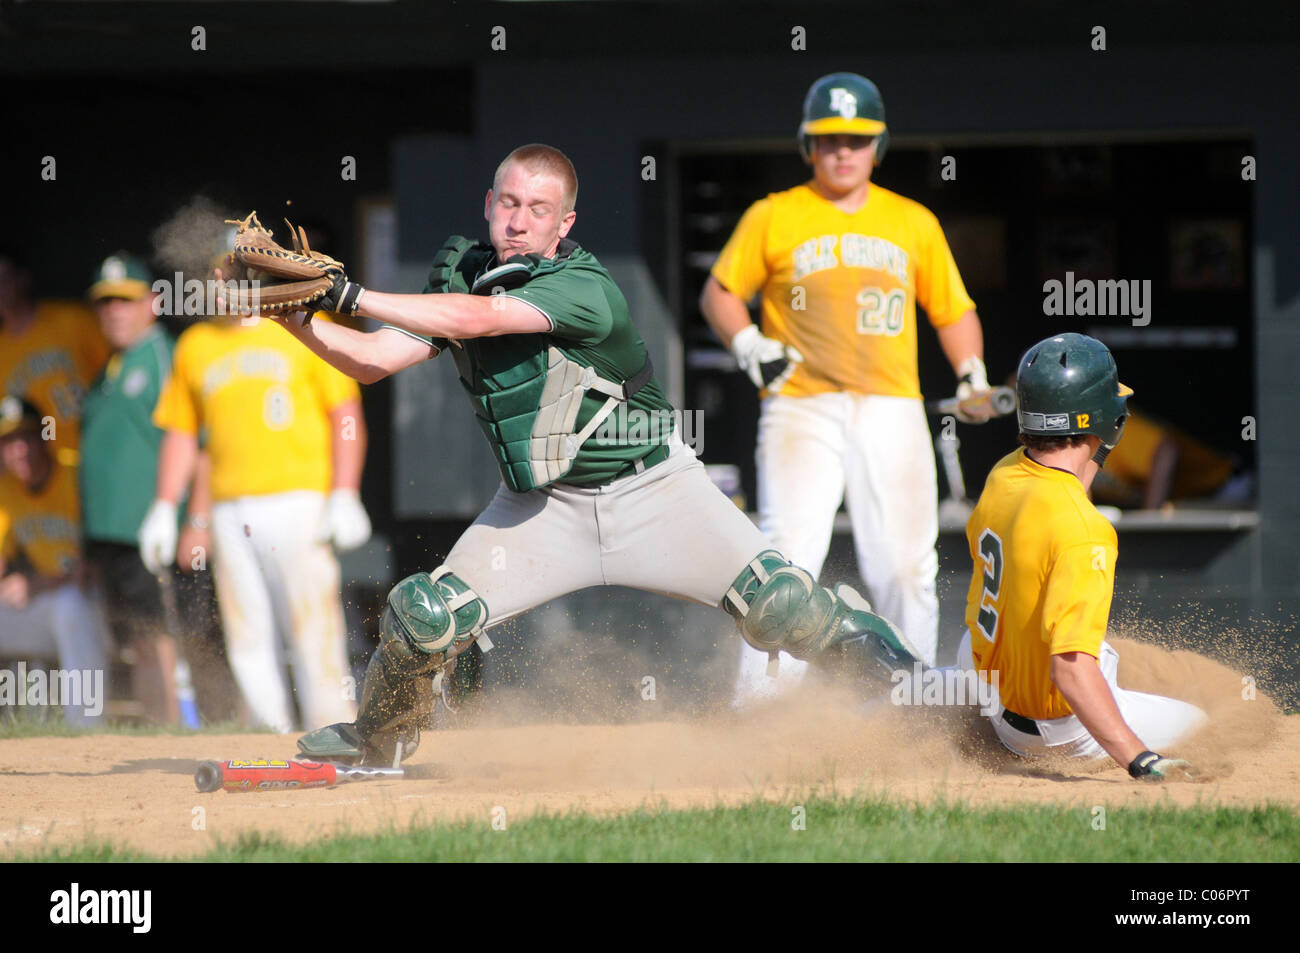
x=991 y=552
x=881 y=313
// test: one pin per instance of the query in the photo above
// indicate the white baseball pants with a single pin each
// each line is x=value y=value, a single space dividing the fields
x=278 y=587
x=875 y=453
x=1158 y=721
x=667 y=530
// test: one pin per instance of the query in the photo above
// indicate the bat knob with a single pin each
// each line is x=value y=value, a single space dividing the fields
x=208 y=776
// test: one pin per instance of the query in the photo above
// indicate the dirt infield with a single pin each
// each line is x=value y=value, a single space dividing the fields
x=139 y=791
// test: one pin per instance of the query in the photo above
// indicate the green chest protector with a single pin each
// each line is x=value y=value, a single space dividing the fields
x=527 y=390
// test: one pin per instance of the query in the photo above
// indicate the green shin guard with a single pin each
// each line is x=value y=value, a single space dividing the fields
x=780 y=607
x=429 y=619
x=396 y=702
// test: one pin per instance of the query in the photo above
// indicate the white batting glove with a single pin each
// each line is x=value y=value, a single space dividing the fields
x=157 y=536
x=973 y=380
x=346 y=522
x=768 y=363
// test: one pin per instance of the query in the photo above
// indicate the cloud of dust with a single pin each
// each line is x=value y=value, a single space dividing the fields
x=820 y=734
x=189 y=240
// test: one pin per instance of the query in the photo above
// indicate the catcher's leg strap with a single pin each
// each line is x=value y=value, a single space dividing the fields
x=779 y=607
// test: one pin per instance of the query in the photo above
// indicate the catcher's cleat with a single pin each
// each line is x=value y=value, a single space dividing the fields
x=867 y=646
x=342 y=742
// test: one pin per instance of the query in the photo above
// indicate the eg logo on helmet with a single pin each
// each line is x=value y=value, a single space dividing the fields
x=844 y=102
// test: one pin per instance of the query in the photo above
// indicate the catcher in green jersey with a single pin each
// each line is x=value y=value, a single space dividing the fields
x=545 y=349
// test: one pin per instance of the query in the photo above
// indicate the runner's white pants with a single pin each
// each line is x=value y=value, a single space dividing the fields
x=278 y=585
x=876 y=454
x=1159 y=722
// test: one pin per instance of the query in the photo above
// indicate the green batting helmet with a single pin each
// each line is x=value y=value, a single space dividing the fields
x=843 y=103
x=1069 y=384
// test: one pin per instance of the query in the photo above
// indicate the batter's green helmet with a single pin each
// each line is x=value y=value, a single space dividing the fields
x=843 y=103
x=1069 y=384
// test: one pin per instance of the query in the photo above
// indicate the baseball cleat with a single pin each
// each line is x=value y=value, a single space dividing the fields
x=870 y=646
x=342 y=742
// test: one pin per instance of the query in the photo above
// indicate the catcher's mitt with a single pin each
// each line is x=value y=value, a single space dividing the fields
x=270 y=279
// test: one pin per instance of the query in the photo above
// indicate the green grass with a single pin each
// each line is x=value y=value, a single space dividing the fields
x=52 y=725
x=856 y=829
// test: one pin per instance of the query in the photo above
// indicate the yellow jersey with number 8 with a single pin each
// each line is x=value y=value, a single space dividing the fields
x=843 y=288
x=262 y=399
x=1043 y=581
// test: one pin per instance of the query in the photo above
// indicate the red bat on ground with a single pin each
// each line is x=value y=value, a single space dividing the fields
x=263 y=775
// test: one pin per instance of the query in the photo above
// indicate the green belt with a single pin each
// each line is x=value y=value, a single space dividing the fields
x=656 y=456
x=1020 y=722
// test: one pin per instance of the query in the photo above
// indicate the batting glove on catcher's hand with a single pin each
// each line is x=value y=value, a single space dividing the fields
x=768 y=363
x=346 y=522
x=343 y=297
x=157 y=536
x=1149 y=766
x=973 y=380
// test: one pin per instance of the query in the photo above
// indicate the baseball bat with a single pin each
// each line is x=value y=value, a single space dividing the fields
x=999 y=401
x=172 y=619
x=260 y=774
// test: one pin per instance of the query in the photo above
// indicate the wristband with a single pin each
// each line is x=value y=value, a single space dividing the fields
x=197 y=521
x=1138 y=768
x=350 y=298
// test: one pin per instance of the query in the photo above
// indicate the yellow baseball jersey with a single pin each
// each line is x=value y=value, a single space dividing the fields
x=52 y=364
x=41 y=530
x=1043 y=580
x=262 y=399
x=843 y=288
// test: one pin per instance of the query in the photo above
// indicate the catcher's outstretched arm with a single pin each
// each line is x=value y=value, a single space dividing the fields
x=365 y=356
x=454 y=315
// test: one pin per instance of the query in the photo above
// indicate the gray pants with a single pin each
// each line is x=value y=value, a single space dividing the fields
x=667 y=530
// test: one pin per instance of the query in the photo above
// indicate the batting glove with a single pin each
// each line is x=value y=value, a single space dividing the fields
x=973 y=380
x=768 y=363
x=1149 y=766
x=157 y=536
x=346 y=522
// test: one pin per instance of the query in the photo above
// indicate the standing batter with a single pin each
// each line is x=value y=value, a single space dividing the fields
x=546 y=350
x=841 y=264
x=286 y=438
x=1045 y=573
